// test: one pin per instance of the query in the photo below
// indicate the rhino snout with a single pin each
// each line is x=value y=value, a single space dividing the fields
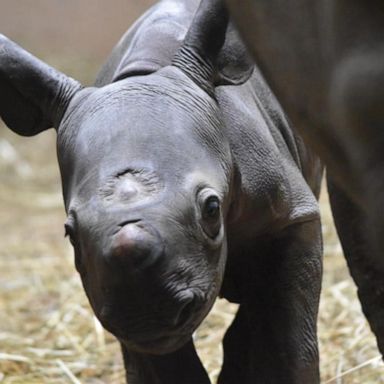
x=135 y=247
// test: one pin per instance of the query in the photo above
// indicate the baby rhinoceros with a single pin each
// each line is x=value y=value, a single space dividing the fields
x=182 y=181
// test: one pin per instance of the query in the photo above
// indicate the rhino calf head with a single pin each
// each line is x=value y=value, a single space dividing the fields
x=146 y=174
x=146 y=178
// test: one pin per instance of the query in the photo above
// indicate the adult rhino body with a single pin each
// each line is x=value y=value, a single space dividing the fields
x=324 y=61
x=183 y=180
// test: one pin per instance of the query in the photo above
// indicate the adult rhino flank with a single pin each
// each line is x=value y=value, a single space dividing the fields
x=324 y=61
x=182 y=181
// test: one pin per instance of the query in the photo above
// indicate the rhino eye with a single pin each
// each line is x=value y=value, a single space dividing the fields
x=211 y=210
x=69 y=232
x=210 y=215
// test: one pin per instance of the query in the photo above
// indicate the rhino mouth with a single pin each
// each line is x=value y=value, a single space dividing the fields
x=155 y=340
x=146 y=333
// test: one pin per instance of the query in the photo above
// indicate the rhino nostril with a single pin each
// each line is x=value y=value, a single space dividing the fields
x=186 y=310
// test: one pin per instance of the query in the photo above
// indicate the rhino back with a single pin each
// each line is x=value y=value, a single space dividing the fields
x=151 y=43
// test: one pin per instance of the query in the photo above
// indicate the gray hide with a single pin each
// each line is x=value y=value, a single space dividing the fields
x=324 y=60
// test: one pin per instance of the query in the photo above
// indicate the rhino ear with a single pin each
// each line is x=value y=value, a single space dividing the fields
x=33 y=96
x=198 y=55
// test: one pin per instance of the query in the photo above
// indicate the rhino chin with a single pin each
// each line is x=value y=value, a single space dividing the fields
x=162 y=345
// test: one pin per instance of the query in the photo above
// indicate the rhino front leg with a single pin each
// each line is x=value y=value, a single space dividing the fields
x=273 y=337
x=182 y=366
x=356 y=236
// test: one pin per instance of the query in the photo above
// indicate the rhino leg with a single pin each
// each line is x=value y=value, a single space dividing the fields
x=273 y=337
x=355 y=232
x=182 y=366
x=236 y=350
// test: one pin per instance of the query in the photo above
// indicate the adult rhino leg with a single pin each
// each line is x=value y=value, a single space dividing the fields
x=182 y=366
x=236 y=350
x=273 y=337
x=355 y=235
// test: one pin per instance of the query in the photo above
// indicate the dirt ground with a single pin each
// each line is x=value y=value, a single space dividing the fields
x=47 y=331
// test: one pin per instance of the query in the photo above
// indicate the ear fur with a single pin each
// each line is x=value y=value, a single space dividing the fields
x=33 y=95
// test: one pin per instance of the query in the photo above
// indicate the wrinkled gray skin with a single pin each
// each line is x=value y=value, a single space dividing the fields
x=177 y=164
x=324 y=61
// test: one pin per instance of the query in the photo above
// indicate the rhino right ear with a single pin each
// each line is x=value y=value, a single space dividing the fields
x=33 y=95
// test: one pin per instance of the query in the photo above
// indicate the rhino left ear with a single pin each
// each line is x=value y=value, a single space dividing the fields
x=33 y=95
x=198 y=55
